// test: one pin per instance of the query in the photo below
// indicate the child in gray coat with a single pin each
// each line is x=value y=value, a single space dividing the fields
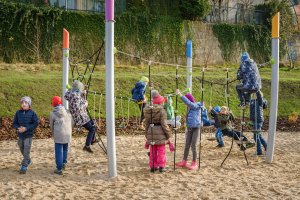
x=61 y=128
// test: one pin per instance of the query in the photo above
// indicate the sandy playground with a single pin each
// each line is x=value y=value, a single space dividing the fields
x=86 y=176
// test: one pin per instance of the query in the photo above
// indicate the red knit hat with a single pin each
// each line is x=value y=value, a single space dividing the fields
x=158 y=100
x=56 y=100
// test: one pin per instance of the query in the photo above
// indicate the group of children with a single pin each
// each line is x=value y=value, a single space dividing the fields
x=159 y=115
x=157 y=119
x=61 y=124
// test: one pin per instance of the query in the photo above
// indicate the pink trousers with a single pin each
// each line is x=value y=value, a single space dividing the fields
x=158 y=156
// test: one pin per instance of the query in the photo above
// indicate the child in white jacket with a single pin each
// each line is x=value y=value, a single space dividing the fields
x=61 y=128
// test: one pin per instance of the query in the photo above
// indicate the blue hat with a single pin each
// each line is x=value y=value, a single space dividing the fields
x=245 y=56
x=217 y=109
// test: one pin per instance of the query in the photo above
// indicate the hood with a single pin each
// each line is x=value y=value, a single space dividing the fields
x=140 y=84
x=60 y=111
x=156 y=108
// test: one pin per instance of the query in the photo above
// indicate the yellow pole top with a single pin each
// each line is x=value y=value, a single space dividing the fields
x=275 y=25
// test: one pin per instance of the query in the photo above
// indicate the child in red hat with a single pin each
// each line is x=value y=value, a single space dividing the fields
x=61 y=128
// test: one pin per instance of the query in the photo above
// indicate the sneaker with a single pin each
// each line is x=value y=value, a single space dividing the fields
x=162 y=169
x=181 y=163
x=64 y=166
x=59 y=172
x=23 y=169
x=88 y=149
x=242 y=104
x=250 y=145
x=220 y=146
x=192 y=166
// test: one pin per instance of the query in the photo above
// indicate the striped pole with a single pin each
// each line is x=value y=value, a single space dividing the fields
x=65 y=66
x=110 y=88
x=189 y=56
x=274 y=88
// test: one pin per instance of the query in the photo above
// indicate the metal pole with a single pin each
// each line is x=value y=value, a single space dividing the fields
x=189 y=55
x=274 y=88
x=110 y=88
x=65 y=66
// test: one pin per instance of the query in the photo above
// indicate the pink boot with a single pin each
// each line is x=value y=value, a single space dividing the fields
x=192 y=166
x=181 y=163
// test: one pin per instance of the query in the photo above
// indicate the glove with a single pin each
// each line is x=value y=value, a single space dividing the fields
x=68 y=87
x=146 y=145
x=171 y=147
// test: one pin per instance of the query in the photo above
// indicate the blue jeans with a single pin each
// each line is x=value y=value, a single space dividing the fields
x=91 y=135
x=61 y=155
x=258 y=138
x=219 y=137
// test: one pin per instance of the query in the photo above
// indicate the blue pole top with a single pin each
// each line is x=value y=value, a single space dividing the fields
x=189 y=49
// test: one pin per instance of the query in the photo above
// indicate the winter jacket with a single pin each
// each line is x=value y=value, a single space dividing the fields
x=193 y=118
x=138 y=91
x=61 y=125
x=160 y=131
x=27 y=119
x=214 y=114
x=249 y=74
x=225 y=120
x=169 y=109
x=256 y=108
x=77 y=107
x=205 y=119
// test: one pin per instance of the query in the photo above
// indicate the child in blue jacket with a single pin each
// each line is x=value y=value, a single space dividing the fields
x=25 y=123
x=250 y=79
x=138 y=95
x=257 y=117
x=193 y=123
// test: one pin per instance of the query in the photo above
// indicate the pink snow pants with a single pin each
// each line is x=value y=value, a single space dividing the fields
x=159 y=153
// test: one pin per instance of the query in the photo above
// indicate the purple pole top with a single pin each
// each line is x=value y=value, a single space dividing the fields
x=109 y=10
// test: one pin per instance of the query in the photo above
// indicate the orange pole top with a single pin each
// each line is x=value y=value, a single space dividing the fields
x=65 y=39
x=275 y=25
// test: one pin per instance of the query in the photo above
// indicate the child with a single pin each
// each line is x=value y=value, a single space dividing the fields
x=193 y=123
x=138 y=95
x=224 y=118
x=257 y=118
x=214 y=113
x=61 y=128
x=249 y=75
x=157 y=134
x=25 y=122
x=77 y=106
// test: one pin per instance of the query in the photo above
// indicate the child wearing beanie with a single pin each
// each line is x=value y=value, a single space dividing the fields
x=193 y=123
x=25 y=122
x=61 y=128
x=78 y=109
x=157 y=133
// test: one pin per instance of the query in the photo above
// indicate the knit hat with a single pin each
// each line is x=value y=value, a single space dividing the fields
x=56 y=100
x=158 y=100
x=77 y=86
x=190 y=97
x=245 y=56
x=154 y=93
x=144 y=79
x=26 y=99
x=217 y=109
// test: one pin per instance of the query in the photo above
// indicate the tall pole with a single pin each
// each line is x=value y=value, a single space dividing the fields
x=110 y=88
x=65 y=66
x=189 y=56
x=274 y=88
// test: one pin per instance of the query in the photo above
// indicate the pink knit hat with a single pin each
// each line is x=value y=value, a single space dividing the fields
x=190 y=97
x=158 y=100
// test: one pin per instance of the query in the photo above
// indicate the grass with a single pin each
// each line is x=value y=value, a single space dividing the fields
x=41 y=82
